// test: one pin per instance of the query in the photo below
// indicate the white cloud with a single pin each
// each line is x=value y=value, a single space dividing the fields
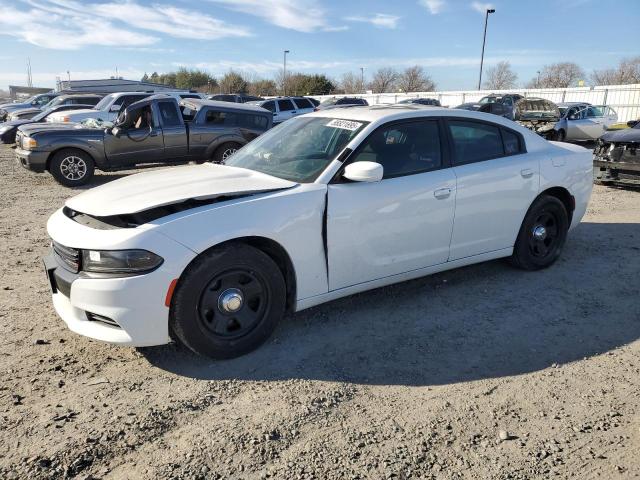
x=299 y=15
x=434 y=6
x=48 y=79
x=380 y=20
x=482 y=7
x=70 y=25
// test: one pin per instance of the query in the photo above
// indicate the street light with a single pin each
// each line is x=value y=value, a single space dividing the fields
x=484 y=39
x=362 y=79
x=284 y=74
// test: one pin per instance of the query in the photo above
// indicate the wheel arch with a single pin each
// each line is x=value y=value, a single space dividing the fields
x=275 y=251
x=74 y=147
x=562 y=194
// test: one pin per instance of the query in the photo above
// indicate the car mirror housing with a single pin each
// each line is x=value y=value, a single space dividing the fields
x=364 y=172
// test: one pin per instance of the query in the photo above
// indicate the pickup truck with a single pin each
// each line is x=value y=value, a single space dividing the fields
x=156 y=130
x=111 y=105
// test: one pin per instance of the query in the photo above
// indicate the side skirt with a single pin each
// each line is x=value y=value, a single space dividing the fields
x=401 y=277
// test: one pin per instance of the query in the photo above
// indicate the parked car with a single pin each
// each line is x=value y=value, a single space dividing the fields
x=284 y=108
x=538 y=115
x=108 y=109
x=235 y=98
x=37 y=101
x=339 y=102
x=152 y=130
x=580 y=121
x=617 y=156
x=502 y=105
x=86 y=100
x=9 y=129
x=421 y=101
x=326 y=205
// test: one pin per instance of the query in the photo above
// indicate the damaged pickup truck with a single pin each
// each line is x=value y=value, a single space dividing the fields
x=617 y=156
x=155 y=130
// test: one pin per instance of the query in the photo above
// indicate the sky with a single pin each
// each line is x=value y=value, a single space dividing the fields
x=91 y=39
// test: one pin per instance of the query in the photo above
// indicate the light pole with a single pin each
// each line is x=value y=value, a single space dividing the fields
x=284 y=74
x=362 y=79
x=484 y=39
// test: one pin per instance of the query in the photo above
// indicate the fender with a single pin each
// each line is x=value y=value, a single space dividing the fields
x=91 y=146
x=224 y=139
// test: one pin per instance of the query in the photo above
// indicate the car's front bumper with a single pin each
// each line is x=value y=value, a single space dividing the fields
x=32 y=159
x=128 y=311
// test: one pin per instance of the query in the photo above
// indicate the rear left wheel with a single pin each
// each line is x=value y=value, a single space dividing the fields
x=228 y=301
x=542 y=235
x=224 y=151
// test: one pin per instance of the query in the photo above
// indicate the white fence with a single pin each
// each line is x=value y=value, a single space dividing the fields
x=624 y=99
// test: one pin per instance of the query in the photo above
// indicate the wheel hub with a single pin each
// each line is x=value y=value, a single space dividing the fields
x=230 y=301
x=540 y=232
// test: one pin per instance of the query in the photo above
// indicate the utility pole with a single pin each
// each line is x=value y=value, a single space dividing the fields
x=29 y=75
x=362 y=79
x=284 y=74
x=484 y=39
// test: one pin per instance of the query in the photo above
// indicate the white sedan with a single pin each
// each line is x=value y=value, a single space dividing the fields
x=324 y=205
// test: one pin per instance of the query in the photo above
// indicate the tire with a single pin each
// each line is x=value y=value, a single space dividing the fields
x=72 y=168
x=561 y=136
x=224 y=151
x=228 y=302
x=542 y=235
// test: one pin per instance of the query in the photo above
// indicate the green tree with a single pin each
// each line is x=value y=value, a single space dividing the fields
x=233 y=82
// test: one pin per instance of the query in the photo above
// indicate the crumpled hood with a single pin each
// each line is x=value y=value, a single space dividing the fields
x=147 y=190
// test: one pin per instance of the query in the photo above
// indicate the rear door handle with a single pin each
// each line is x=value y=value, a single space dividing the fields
x=526 y=173
x=442 y=193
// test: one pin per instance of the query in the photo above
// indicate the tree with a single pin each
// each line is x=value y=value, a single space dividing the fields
x=500 y=77
x=627 y=71
x=315 y=85
x=414 y=79
x=384 y=80
x=352 y=83
x=559 y=75
x=261 y=87
x=145 y=77
x=155 y=78
x=233 y=82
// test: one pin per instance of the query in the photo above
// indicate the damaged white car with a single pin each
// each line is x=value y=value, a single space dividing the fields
x=325 y=205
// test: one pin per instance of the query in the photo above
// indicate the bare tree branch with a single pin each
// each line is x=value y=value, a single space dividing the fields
x=414 y=79
x=500 y=77
x=384 y=80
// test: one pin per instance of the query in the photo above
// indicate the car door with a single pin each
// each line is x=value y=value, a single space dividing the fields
x=586 y=124
x=496 y=182
x=138 y=141
x=286 y=110
x=212 y=124
x=401 y=223
x=609 y=116
x=174 y=131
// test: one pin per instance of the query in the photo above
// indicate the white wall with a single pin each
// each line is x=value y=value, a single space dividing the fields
x=624 y=99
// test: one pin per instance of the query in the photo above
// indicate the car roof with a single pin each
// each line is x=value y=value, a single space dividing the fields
x=571 y=104
x=199 y=103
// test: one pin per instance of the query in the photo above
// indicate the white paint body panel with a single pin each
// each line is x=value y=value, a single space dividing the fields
x=377 y=233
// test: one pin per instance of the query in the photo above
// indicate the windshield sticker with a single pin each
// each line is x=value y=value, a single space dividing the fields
x=344 y=124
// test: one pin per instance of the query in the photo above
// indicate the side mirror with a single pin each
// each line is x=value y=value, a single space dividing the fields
x=364 y=172
x=116 y=132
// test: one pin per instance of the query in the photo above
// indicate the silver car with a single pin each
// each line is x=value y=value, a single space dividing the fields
x=581 y=121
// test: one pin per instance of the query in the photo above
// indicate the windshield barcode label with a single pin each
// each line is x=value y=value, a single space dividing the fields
x=344 y=124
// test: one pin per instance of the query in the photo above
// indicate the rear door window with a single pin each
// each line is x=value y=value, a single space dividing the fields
x=254 y=122
x=269 y=106
x=303 y=103
x=285 y=105
x=169 y=114
x=512 y=143
x=475 y=141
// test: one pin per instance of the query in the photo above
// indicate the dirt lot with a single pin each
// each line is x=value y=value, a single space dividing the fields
x=418 y=380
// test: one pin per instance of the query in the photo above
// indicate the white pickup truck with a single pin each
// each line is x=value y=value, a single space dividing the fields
x=109 y=107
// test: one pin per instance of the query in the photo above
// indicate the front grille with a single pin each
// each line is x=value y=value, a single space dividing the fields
x=70 y=257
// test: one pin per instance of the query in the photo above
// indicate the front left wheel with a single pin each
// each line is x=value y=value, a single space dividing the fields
x=72 y=168
x=228 y=301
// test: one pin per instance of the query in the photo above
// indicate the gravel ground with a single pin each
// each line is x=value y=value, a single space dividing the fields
x=482 y=372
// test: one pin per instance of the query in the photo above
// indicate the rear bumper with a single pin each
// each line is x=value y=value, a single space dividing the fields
x=32 y=160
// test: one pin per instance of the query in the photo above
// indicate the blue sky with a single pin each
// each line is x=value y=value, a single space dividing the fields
x=91 y=39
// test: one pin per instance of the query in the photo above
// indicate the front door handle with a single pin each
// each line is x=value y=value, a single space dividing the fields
x=526 y=173
x=442 y=193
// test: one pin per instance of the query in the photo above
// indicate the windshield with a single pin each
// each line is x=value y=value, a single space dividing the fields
x=298 y=149
x=484 y=100
x=94 y=123
x=102 y=104
x=329 y=101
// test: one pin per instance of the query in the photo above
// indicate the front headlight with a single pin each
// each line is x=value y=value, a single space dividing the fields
x=29 y=143
x=119 y=261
